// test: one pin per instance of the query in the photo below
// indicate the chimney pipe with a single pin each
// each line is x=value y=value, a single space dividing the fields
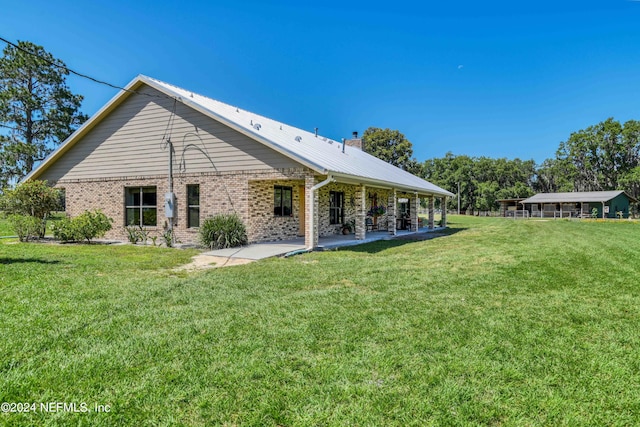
x=316 y=129
x=355 y=134
x=343 y=144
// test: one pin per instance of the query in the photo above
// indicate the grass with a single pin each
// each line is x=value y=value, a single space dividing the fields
x=500 y=322
x=6 y=230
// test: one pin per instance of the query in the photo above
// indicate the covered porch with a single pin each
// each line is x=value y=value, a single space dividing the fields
x=375 y=210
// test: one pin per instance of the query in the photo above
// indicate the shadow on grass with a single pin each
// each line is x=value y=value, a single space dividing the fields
x=4 y=261
x=381 y=245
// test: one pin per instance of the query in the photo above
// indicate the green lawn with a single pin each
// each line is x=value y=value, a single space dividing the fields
x=7 y=230
x=499 y=323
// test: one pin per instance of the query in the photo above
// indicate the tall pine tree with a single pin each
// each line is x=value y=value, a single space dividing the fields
x=37 y=109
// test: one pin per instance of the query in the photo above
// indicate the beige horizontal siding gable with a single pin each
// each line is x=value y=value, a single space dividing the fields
x=129 y=141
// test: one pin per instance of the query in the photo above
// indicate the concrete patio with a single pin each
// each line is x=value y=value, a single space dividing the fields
x=258 y=251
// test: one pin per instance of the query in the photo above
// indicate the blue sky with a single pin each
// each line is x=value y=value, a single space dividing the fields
x=493 y=78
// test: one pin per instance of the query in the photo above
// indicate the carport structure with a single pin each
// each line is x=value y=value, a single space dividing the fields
x=604 y=204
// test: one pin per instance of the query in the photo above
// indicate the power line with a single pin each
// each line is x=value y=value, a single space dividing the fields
x=84 y=76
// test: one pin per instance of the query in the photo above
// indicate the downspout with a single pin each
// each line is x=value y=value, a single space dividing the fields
x=319 y=185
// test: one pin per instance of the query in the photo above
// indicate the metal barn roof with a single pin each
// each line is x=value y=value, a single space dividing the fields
x=575 y=197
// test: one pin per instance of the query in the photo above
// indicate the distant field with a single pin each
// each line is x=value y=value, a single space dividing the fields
x=500 y=322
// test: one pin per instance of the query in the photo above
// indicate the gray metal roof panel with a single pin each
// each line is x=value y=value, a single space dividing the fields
x=573 y=197
x=323 y=154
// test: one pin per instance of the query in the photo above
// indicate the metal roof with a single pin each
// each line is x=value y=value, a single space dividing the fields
x=575 y=197
x=322 y=154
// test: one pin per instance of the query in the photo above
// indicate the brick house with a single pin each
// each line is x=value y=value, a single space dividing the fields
x=158 y=155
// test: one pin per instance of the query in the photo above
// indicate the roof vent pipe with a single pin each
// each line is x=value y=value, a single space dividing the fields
x=355 y=134
x=316 y=129
x=343 y=144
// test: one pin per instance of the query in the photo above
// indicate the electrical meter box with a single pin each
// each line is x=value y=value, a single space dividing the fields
x=169 y=205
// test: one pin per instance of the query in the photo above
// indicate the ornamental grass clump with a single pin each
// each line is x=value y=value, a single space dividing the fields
x=223 y=231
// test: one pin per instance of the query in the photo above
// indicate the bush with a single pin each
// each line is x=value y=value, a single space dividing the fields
x=34 y=198
x=87 y=226
x=25 y=226
x=65 y=230
x=223 y=231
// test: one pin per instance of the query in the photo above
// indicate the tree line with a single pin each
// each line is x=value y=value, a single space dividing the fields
x=605 y=156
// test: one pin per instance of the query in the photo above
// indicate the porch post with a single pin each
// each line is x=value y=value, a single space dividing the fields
x=443 y=208
x=361 y=212
x=432 y=207
x=415 y=205
x=392 y=212
x=310 y=213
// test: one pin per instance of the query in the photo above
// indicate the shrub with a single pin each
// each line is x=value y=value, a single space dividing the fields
x=92 y=224
x=65 y=230
x=34 y=198
x=169 y=236
x=25 y=226
x=223 y=231
x=133 y=233
x=87 y=226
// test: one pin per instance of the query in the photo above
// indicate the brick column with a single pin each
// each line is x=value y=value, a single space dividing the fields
x=444 y=212
x=415 y=205
x=432 y=207
x=361 y=212
x=311 y=223
x=392 y=212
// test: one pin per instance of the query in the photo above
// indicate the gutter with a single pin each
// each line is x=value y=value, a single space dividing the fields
x=316 y=187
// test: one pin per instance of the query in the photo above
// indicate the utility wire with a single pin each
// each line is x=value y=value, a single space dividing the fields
x=166 y=139
x=84 y=76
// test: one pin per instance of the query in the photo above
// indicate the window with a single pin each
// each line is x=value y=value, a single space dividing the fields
x=336 y=207
x=62 y=199
x=404 y=208
x=141 y=206
x=282 y=201
x=193 y=205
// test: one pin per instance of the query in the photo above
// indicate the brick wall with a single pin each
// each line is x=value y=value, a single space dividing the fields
x=249 y=194
x=219 y=193
x=264 y=225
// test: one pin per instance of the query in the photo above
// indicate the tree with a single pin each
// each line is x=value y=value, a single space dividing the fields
x=481 y=180
x=37 y=109
x=554 y=176
x=599 y=155
x=32 y=198
x=630 y=182
x=390 y=146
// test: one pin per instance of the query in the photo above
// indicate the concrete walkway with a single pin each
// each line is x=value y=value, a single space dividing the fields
x=257 y=251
